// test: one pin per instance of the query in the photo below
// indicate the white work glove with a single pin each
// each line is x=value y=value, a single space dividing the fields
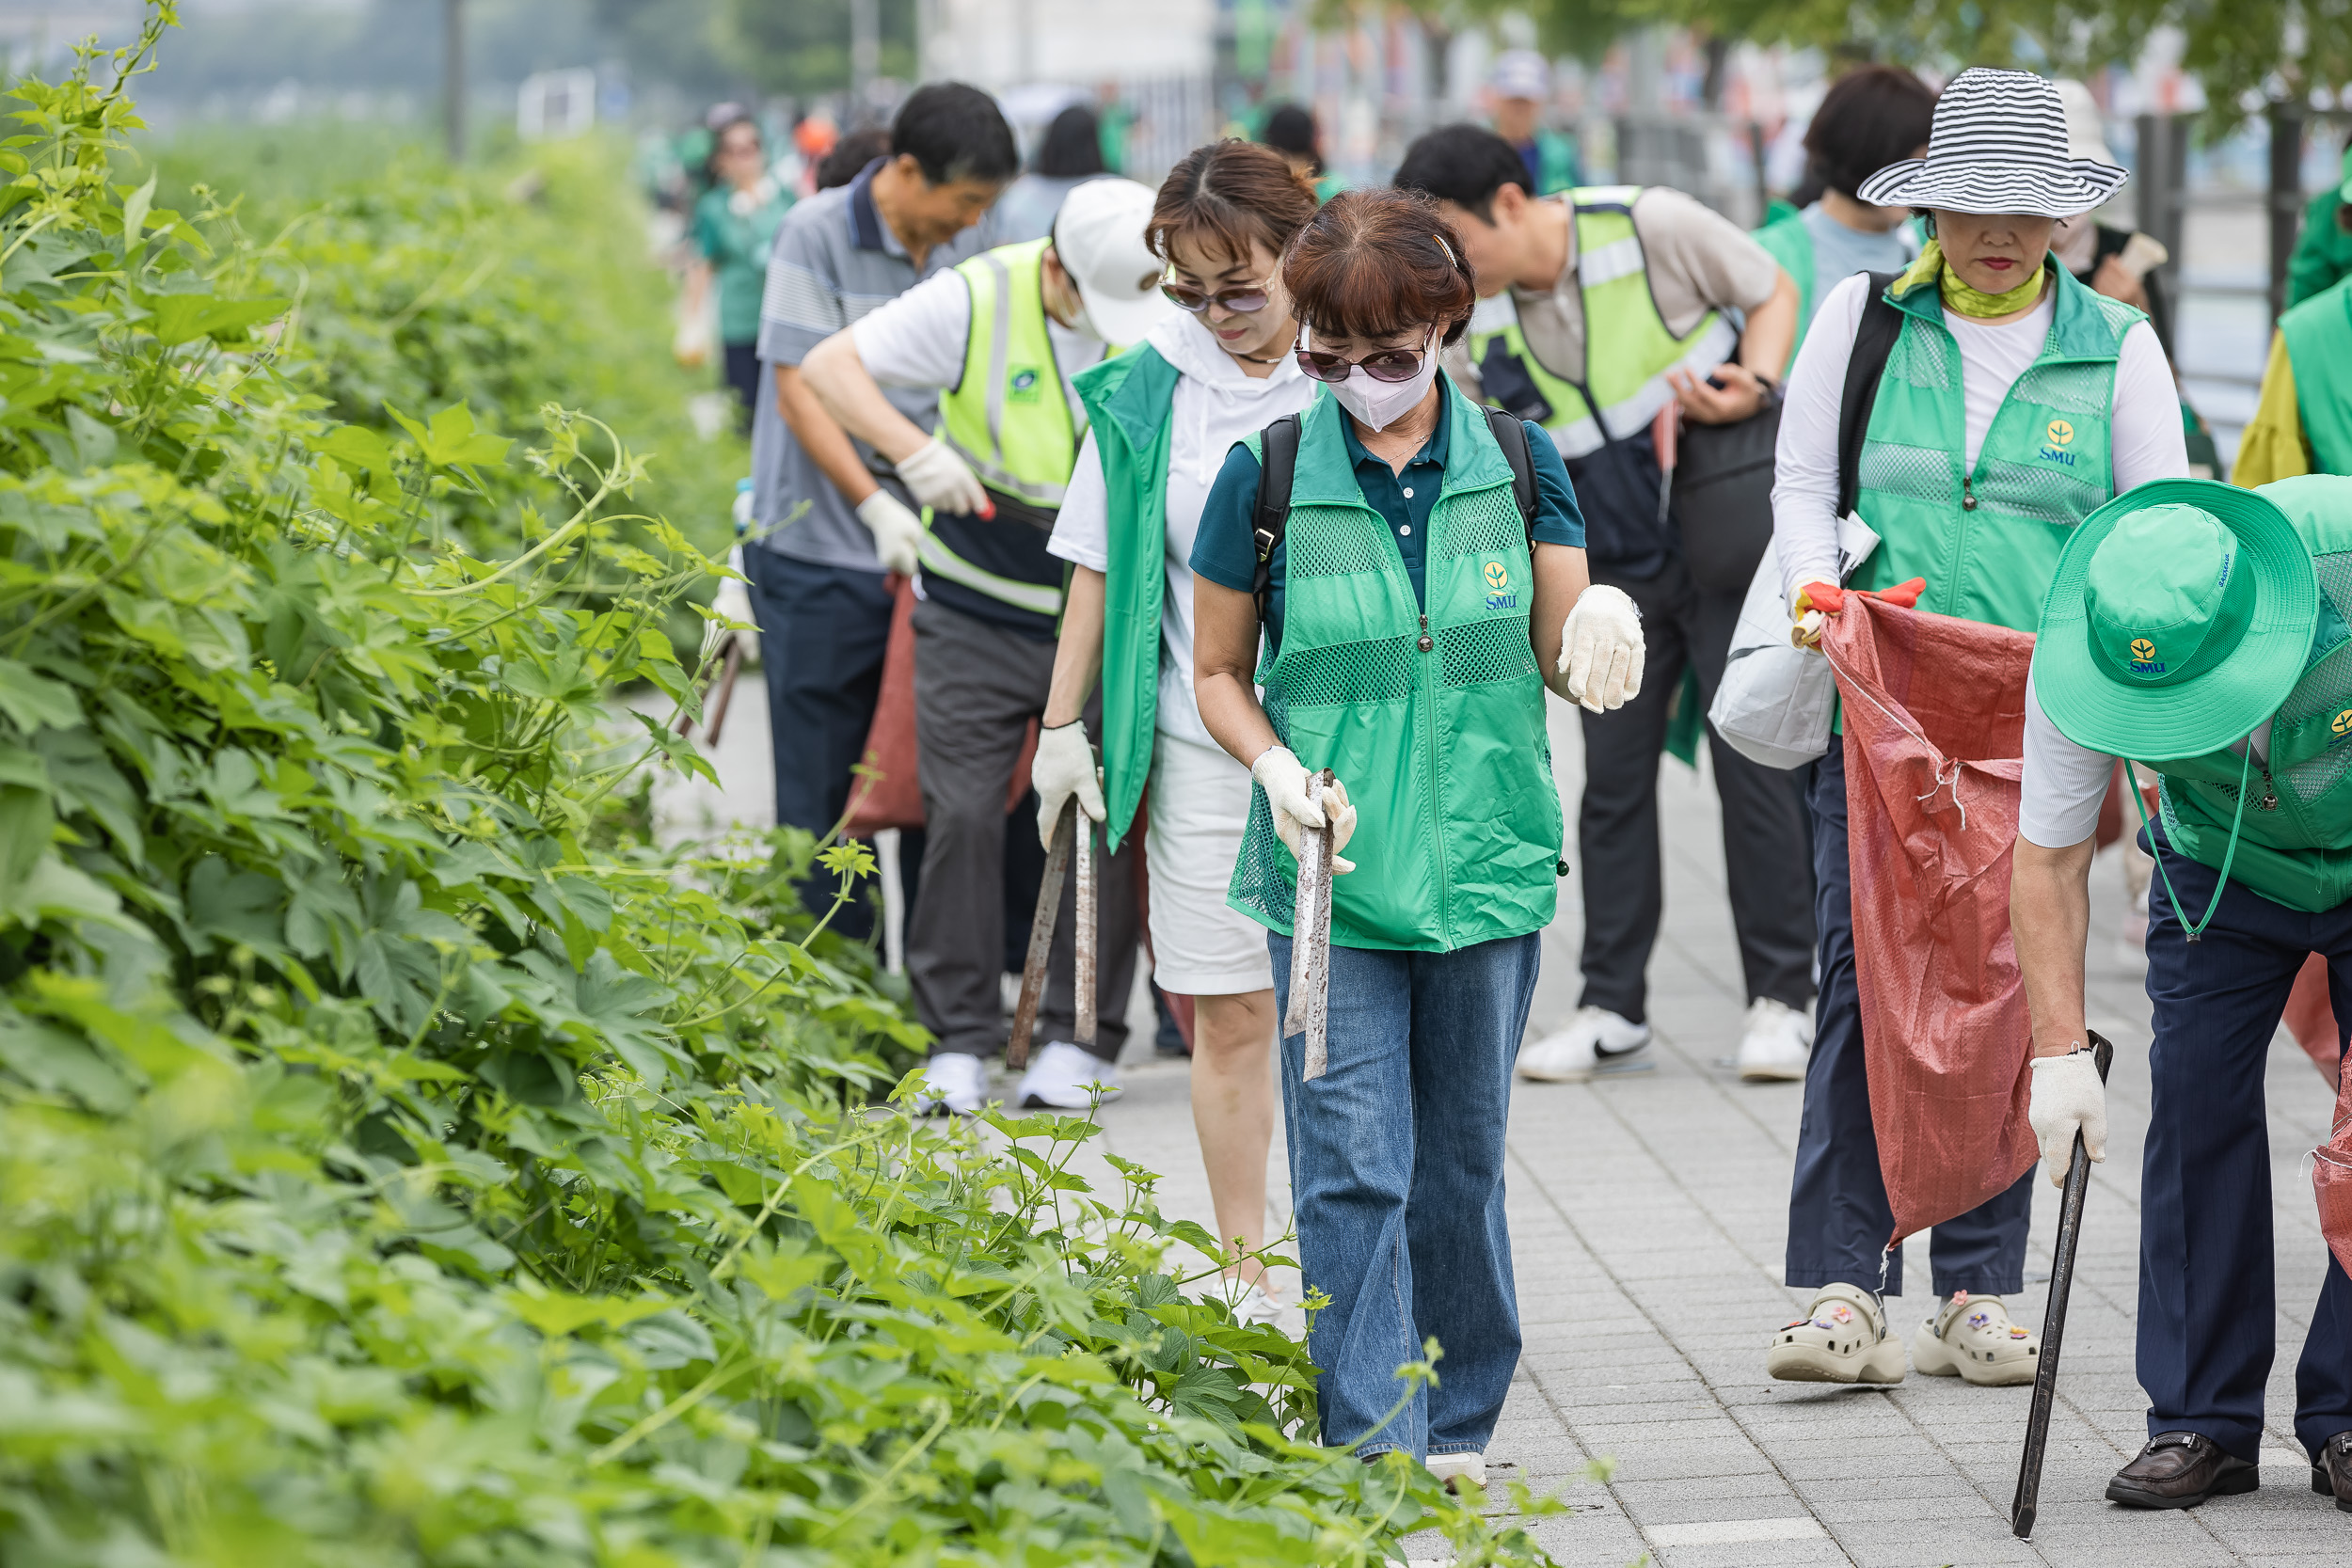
x=734 y=601
x=1600 y=649
x=1283 y=777
x=1064 y=766
x=897 y=532
x=938 y=479
x=2067 y=1095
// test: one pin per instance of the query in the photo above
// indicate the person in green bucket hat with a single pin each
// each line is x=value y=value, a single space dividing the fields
x=2199 y=630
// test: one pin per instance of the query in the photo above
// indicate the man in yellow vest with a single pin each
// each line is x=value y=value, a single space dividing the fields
x=999 y=338
x=1605 y=306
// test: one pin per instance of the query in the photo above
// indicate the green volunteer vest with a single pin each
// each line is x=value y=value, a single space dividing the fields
x=2294 y=839
x=2318 y=335
x=1127 y=401
x=1988 y=540
x=1435 y=722
x=1007 y=415
x=1791 y=244
x=1628 y=348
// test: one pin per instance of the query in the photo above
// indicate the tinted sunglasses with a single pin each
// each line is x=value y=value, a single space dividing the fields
x=1386 y=364
x=1243 y=302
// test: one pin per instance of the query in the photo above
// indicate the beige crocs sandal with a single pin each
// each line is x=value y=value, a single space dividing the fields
x=1971 y=1337
x=1844 y=1339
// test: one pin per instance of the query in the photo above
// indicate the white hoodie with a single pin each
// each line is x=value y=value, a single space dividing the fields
x=1214 y=406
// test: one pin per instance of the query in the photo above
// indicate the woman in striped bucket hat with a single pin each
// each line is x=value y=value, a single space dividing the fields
x=2009 y=401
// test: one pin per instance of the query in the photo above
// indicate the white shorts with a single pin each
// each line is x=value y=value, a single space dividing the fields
x=1200 y=806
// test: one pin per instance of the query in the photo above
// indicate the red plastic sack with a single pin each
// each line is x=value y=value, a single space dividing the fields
x=896 y=798
x=1935 y=710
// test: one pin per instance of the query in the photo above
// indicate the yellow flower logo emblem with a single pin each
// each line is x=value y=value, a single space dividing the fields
x=2143 y=651
x=2060 y=432
x=2341 y=723
x=1497 y=578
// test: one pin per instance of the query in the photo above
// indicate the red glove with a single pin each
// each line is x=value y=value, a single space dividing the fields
x=1830 y=598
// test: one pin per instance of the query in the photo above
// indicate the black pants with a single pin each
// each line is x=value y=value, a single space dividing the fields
x=823 y=632
x=2208 y=1272
x=740 y=373
x=1764 y=827
x=976 y=687
x=1838 y=1214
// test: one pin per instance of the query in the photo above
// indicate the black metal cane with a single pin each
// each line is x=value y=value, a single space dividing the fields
x=2021 y=1512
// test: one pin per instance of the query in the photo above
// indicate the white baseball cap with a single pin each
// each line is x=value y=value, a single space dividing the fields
x=1520 y=73
x=1098 y=235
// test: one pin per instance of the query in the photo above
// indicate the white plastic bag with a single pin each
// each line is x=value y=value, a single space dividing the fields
x=1775 y=702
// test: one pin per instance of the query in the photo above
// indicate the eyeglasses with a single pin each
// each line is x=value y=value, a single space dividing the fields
x=1242 y=302
x=1386 y=364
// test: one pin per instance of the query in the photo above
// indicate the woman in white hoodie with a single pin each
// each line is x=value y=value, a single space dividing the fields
x=1162 y=417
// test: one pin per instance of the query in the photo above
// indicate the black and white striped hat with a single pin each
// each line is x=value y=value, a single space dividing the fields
x=1998 y=145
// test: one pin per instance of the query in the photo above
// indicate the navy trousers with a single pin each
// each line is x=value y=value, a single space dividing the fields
x=2207 y=1279
x=1838 y=1216
x=822 y=633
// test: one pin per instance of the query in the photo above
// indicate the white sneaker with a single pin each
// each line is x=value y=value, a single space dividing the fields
x=1065 y=1077
x=1455 y=1469
x=1774 y=1043
x=953 y=1081
x=1257 y=1306
x=1592 y=1037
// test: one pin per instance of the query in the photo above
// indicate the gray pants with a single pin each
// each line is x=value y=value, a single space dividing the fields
x=976 y=687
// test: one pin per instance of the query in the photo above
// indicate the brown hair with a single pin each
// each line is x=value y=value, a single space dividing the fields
x=1225 y=195
x=1373 y=263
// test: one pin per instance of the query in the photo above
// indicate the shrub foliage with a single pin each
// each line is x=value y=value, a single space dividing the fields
x=401 y=1163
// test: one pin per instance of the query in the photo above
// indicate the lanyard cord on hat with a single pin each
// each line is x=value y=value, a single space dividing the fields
x=2131 y=787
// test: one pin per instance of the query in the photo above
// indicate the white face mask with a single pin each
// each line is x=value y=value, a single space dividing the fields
x=1380 y=404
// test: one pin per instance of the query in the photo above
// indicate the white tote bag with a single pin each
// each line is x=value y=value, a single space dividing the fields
x=1775 y=702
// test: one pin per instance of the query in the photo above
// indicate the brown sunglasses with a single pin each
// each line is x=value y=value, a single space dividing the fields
x=1386 y=364
x=1243 y=302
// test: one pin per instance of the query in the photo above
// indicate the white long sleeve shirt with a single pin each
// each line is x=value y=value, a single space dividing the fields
x=2147 y=439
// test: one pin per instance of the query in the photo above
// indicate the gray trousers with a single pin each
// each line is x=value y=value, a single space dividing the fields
x=976 y=687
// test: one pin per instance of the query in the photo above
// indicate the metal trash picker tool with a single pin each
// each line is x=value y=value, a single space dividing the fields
x=1042 y=940
x=1309 y=1011
x=2070 y=1235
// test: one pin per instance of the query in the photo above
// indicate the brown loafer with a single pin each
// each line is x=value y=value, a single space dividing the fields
x=2331 y=1472
x=2180 y=1469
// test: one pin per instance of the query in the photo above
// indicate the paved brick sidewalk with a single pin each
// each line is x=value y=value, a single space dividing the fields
x=1649 y=1215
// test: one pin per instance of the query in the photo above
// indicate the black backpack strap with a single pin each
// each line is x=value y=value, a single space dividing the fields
x=1277 y=465
x=1510 y=434
x=1873 y=340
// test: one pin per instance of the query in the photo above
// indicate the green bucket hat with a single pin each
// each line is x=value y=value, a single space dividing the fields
x=2178 y=620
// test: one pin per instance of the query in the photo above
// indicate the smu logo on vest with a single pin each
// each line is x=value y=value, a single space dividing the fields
x=2143 y=656
x=1021 y=384
x=2340 y=727
x=2060 y=435
x=1498 y=584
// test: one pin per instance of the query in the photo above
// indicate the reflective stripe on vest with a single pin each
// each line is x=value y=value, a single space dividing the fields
x=939 y=561
x=1008 y=417
x=1988 y=540
x=1628 y=348
x=1439 y=738
x=2294 y=839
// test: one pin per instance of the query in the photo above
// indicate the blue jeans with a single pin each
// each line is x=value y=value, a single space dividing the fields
x=1396 y=1179
x=1838 y=1216
x=2207 y=1270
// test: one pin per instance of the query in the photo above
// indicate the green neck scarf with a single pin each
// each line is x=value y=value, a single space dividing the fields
x=1957 y=295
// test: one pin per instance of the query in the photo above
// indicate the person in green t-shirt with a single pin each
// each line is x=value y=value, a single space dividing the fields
x=2323 y=252
x=734 y=222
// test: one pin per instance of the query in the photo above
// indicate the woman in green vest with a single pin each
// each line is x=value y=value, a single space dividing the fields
x=2013 y=402
x=2199 y=630
x=1160 y=419
x=734 y=222
x=1873 y=116
x=1429 y=583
